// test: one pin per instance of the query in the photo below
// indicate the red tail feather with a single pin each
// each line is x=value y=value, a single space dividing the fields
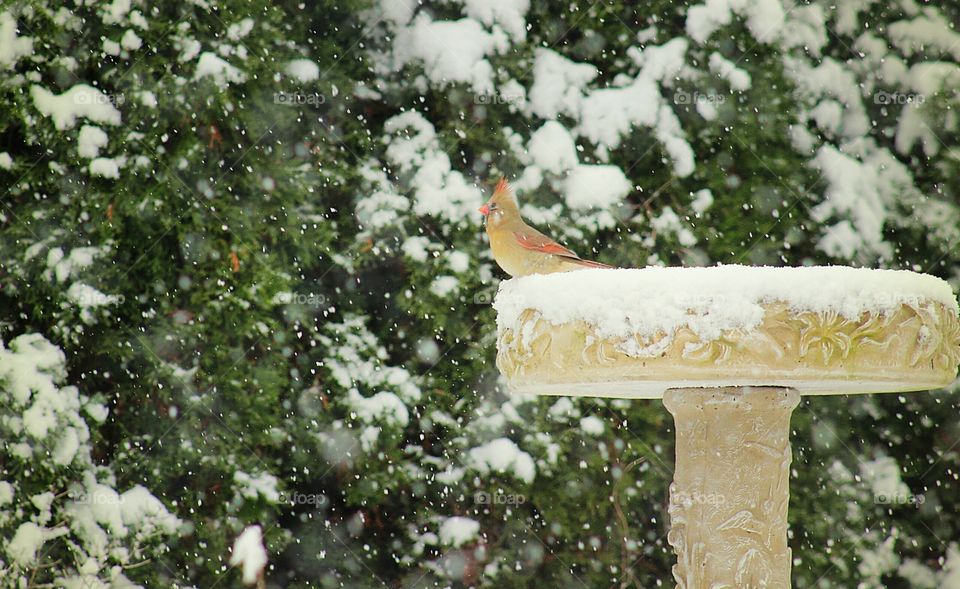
x=589 y=263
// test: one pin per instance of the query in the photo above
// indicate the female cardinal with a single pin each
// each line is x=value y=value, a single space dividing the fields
x=520 y=249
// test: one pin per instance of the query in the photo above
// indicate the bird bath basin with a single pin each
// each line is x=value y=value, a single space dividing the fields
x=729 y=350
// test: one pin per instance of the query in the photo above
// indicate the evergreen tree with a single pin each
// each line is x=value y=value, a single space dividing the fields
x=243 y=281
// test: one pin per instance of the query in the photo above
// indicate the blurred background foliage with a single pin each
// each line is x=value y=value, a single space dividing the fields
x=302 y=335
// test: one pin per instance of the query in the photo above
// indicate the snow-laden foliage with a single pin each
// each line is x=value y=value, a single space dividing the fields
x=248 y=231
x=56 y=503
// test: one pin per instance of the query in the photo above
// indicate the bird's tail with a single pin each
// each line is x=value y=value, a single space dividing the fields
x=587 y=263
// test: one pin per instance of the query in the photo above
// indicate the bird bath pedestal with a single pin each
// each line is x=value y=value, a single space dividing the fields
x=730 y=350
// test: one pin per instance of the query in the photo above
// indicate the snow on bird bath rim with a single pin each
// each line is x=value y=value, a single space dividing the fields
x=625 y=302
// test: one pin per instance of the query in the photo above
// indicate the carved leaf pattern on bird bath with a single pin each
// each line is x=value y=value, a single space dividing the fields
x=827 y=336
x=937 y=337
x=919 y=336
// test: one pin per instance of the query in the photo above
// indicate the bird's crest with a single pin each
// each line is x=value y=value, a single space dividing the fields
x=503 y=193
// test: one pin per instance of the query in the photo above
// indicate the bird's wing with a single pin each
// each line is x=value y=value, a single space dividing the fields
x=538 y=242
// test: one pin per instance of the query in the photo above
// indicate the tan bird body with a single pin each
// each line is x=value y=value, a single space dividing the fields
x=520 y=249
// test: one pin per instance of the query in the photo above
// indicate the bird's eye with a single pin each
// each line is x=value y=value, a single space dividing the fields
x=493 y=206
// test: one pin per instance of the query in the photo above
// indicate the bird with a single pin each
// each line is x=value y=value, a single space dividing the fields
x=519 y=249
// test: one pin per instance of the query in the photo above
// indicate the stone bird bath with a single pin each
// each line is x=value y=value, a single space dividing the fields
x=729 y=349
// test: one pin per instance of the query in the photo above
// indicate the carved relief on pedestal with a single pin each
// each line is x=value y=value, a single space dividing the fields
x=729 y=497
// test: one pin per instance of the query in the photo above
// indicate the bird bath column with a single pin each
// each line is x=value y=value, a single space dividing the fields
x=731 y=486
x=730 y=350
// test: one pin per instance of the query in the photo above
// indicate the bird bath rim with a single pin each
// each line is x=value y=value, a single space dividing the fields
x=636 y=333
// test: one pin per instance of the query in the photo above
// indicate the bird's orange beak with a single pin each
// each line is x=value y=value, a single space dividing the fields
x=484 y=210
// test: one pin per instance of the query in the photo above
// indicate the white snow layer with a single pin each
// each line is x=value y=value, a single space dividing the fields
x=29 y=537
x=859 y=191
x=739 y=79
x=90 y=140
x=114 y=12
x=951 y=568
x=595 y=186
x=46 y=426
x=12 y=47
x=558 y=84
x=502 y=456
x=62 y=266
x=86 y=298
x=79 y=101
x=668 y=223
x=210 y=65
x=249 y=554
x=702 y=199
x=444 y=286
x=456 y=531
x=350 y=366
x=413 y=147
x=382 y=408
x=304 y=70
x=255 y=486
x=28 y=371
x=131 y=41
x=508 y=14
x=765 y=18
x=623 y=302
x=138 y=506
x=552 y=148
x=592 y=425
x=105 y=167
x=931 y=31
x=429 y=42
x=883 y=476
x=607 y=115
x=397 y=12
